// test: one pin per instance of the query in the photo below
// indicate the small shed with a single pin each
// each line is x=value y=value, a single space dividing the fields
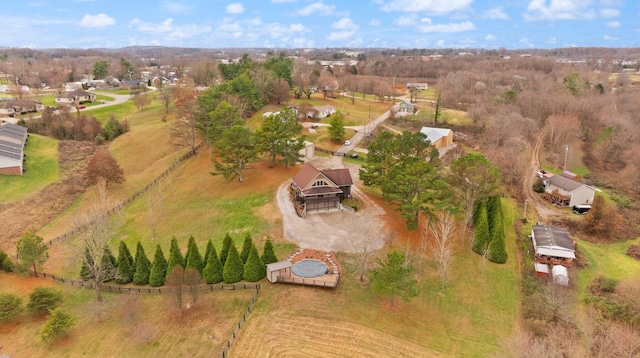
x=542 y=270
x=560 y=275
x=278 y=269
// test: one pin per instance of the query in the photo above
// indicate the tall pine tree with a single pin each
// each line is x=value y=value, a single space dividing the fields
x=108 y=265
x=125 y=269
x=85 y=271
x=268 y=256
x=158 y=269
x=143 y=266
x=212 y=272
x=254 y=269
x=207 y=252
x=246 y=248
x=233 y=267
x=481 y=236
x=193 y=258
x=227 y=242
x=175 y=256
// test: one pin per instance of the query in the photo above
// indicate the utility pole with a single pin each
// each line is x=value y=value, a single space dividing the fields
x=566 y=151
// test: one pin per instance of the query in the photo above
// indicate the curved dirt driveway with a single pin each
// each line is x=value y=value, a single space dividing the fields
x=543 y=209
x=335 y=230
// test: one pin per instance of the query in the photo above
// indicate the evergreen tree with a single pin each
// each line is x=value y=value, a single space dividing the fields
x=394 y=277
x=268 y=256
x=158 y=269
x=85 y=271
x=254 y=269
x=143 y=267
x=212 y=272
x=43 y=299
x=246 y=248
x=233 y=267
x=227 y=242
x=476 y=211
x=125 y=268
x=193 y=258
x=497 y=251
x=494 y=210
x=207 y=252
x=481 y=237
x=108 y=264
x=175 y=257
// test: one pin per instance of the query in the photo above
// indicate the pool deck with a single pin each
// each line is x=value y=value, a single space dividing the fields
x=328 y=258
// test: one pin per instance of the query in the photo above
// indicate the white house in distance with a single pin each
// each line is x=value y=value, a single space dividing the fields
x=12 y=141
x=75 y=97
x=418 y=85
x=321 y=112
x=564 y=191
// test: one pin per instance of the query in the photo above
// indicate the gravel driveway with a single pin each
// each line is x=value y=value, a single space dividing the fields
x=335 y=230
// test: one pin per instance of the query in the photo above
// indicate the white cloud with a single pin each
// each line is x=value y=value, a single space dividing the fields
x=429 y=6
x=281 y=1
x=341 y=35
x=440 y=43
x=176 y=8
x=496 y=13
x=235 y=8
x=374 y=22
x=552 y=40
x=609 y=38
x=173 y=32
x=609 y=13
x=490 y=37
x=613 y=24
x=100 y=20
x=344 y=24
x=316 y=8
x=559 y=10
x=428 y=27
x=408 y=20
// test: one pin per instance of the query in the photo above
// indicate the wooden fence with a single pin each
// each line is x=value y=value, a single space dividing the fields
x=128 y=201
x=236 y=330
x=146 y=290
x=308 y=282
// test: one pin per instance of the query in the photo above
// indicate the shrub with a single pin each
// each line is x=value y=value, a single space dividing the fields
x=57 y=326
x=603 y=285
x=481 y=237
x=143 y=267
x=175 y=257
x=5 y=262
x=212 y=272
x=158 y=269
x=268 y=256
x=85 y=271
x=254 y=269
x=227 y=242
x=125 y=269
x=10 y=306
x=193 y=258
x=246 y=248
x=43 y=300
x=233 y=267
x=108 y=264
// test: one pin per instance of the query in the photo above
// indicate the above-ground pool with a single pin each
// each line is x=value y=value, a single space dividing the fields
x=309 y=268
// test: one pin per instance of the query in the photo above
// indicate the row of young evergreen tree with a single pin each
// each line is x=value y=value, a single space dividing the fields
x=230 y=266
x=488 y=221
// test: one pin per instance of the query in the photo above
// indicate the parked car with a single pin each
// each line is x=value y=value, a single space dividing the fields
x=354 y=155
x=81 y=107
x=581 y=209
x=541 y=174
x=314 y=126
x=348 y=142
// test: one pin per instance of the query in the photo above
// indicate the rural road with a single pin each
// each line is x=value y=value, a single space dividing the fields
x=543 y=209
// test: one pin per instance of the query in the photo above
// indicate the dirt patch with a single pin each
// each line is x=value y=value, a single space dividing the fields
x=39 y=209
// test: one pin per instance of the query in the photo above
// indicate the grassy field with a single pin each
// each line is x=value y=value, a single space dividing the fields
x=41 y=169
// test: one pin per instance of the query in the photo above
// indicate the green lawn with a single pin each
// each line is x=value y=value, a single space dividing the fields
x=41 y=169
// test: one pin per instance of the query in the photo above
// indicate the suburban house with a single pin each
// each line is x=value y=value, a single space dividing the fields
x=74 y=98
x=405 y=108
x=564 y=191
x=12 y=141
x=321 y=112
x=321 y=189
x=552 y=245
x=19 y=106
x=417 y=85
x=439 y=137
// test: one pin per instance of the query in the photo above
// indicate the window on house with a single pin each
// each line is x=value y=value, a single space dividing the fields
x=320 y=183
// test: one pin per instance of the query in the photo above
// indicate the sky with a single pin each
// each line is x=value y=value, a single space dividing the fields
x=473 y=24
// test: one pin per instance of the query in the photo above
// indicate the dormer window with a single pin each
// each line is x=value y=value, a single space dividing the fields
x=320 y=183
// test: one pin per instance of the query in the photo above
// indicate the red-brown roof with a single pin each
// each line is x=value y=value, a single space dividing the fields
x=305 y=175
x=341 y=177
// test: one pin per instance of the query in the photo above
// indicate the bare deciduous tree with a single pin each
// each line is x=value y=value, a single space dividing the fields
x=174 y=282
x=441 y=244
x=95 y=228
x=362 y=241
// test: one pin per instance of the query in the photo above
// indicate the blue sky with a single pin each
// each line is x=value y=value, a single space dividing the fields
x=491 y=24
